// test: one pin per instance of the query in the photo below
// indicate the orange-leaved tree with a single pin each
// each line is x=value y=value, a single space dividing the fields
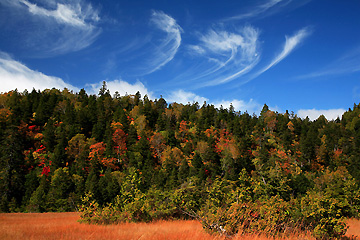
x=97 y=155
x=119 y=141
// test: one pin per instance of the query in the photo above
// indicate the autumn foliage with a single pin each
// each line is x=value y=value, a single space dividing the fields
x=126 y=158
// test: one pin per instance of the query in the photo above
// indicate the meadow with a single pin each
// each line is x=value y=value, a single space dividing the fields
x=65 y=226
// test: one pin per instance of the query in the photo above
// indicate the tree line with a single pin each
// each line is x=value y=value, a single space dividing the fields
x=128 y=158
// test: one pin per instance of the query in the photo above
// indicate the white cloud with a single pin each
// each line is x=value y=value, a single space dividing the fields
x=73 y=15
x=232 y=54
x=220 y=41
x=181 y=96
x=196 y=49
x=54 y=27
x=349 y=63
x=122 y=87
x=356 y=92
x=234 y=76
x=185 y=97
x=164 y=50
x=290 y=44
x=240 y=105
x=151 y=48
x=244 y=41
x=313 y=114
x=256 y=11
x=14 y=74
x=72 y=40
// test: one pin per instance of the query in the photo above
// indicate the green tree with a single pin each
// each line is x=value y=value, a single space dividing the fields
x=60 y=188
x=12 y=174
x=37 y=202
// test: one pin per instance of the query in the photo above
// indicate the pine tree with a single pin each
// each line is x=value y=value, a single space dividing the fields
x=58 y=196
x=37 y=202
x=12 y=174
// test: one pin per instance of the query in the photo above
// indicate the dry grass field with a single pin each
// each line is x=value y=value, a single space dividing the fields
x=354 y=229
x=38 y=226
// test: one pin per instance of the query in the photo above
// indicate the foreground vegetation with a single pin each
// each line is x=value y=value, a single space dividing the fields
x=38 y=226
x=65 y=226
x=127 y=158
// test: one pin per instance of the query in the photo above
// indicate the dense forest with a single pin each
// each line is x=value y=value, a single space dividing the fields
x=128 y=158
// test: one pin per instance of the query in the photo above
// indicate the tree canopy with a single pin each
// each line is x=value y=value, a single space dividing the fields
x=149 y=159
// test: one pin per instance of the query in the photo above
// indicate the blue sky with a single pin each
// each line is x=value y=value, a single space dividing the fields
x=301 y=56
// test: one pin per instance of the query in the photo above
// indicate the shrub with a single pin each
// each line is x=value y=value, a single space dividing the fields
x=89 y=209
x=271 y=216
x=322 y=215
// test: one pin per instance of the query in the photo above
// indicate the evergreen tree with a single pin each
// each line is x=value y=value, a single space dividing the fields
x=12 y=174
x=49 y=135
x=108 y=187
x=37 y=202
x=183 y=171
x=198 y=168
x=58 y=195
x=92 y=184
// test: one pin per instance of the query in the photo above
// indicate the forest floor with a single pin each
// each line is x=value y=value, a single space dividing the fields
x=65 y=226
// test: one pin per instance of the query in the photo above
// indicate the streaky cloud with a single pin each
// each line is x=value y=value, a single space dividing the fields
x=196 y=49
x=15 y=75
x=290 y=44
x=151 y=49
x=232 y=54
x=347 y=64
x=260 y=9
x=243 y=71
x=73 y=40
x=167 y=48
x=73 y=15
x=56 y=29
x=220 y=41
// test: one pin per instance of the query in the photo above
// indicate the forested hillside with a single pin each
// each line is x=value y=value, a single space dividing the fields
x=129 y=158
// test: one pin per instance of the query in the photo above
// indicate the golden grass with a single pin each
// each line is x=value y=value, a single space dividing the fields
x=38 y=226
x=65 y=226
x=354 y=228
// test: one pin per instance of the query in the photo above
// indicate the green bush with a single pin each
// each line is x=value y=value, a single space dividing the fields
x=270 y=216
x=89 y=210
x=230 y=207
x=322 y=215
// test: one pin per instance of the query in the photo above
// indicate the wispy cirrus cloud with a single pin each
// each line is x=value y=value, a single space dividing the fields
x=290 y=44
x=165 y=49
x=257 y=10
x=347 y=64
x=226 y=55
x=53 y=27
x=15 y=75
x=74 y=15
x=153 y=42
x=266 y=8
